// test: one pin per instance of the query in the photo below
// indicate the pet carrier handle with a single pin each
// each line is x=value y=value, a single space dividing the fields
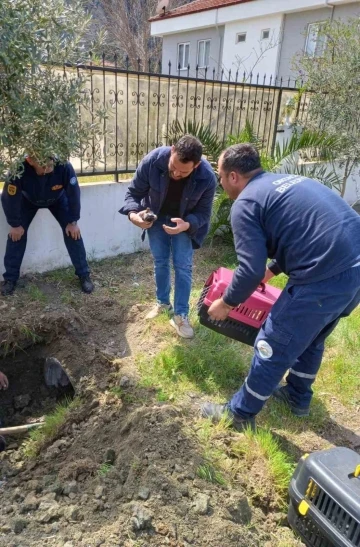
x=209 y=280
x=262 y=287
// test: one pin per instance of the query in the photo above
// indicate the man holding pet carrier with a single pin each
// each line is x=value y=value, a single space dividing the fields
x=314 y=238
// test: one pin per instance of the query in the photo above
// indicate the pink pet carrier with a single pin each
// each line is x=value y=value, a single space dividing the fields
x=243 y=322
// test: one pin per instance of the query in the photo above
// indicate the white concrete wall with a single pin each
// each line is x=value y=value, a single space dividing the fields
x=106 y=233
x=249 y=51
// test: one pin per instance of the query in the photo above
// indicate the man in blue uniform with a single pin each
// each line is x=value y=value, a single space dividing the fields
x=314 y=238
x=55 y=187
x=178 y=185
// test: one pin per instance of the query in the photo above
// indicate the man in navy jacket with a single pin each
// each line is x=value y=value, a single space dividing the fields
x=178 y=186
x=314 y=238
x=55 y=187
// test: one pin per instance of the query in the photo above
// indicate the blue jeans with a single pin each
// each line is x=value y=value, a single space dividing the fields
x=180 y=247
x=15 y=250
x=294 y=335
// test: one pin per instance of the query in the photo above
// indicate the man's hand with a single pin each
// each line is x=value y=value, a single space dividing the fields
x=181 y=226
x=16 y=234
x=268 y=275
x=219 y=310
x=137 y=220
x=73 y=231
x=4 y=382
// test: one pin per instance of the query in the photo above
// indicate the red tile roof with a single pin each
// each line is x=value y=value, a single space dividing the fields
x=196 y=6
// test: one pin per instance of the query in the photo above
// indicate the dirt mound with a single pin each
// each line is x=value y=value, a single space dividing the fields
x=116 y=475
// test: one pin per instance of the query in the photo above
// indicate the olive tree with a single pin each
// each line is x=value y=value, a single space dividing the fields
x=40 y=103
x=332 y=76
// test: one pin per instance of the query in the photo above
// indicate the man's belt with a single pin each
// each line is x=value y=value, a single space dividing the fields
x=42 y=202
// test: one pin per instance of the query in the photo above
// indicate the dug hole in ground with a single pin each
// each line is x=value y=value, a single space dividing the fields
x=123 y=458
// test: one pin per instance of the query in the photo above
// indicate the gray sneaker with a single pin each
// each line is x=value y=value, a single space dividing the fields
x=158 y=309
x=182 y=326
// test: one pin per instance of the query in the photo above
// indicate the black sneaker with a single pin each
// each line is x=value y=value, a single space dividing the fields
x=87 y=285
x=282 y=394
x=216 y=412
x=8 y=287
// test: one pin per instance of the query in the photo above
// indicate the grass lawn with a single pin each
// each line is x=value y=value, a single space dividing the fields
x=212 y=367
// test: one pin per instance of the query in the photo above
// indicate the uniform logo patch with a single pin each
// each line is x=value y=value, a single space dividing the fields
x=57 y=187
x=73 y=181
x=264 y=349
x=12 y=189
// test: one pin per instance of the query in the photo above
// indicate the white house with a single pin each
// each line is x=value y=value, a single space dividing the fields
x=252 y=36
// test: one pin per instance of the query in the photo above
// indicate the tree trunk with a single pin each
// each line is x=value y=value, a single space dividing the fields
x=347 y=173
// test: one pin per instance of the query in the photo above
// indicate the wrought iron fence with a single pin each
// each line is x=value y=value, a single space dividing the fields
x=142 y=105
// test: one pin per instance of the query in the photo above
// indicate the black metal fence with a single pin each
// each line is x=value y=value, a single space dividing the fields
x=142 y=107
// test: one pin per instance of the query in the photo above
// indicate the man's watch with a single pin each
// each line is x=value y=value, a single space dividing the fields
x=74 y=223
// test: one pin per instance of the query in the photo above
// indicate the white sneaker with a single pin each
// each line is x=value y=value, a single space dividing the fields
x=182 y=326
x=158 y=309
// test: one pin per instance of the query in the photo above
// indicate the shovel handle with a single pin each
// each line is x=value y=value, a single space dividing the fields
x=19 y=429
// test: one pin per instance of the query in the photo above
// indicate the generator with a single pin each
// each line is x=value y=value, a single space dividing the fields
x=243 y=322
x=325 y=499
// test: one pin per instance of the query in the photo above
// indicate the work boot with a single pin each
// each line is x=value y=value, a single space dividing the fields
x=87 y=285
x=8 y=287
x=281 y=393
x=216 y=412
x=182 y=326
x=158 y=309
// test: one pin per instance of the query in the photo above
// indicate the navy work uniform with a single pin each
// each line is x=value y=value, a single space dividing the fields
x=21 y=198
x=314 y=237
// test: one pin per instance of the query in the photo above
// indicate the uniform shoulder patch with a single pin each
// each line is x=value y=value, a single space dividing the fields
x=73 y=181
x=57 y=187
x=264 y=349
x=12 y=189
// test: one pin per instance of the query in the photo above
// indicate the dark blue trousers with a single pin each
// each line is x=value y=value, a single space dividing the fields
x=15 y=250
x=292 y=339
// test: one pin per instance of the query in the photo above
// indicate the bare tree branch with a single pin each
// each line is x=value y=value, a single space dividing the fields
x=128 y=29
x=258 y=53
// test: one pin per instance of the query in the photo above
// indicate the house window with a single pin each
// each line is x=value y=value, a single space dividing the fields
x=183 y=55
x=265 y=34
x=315 y=42
x=241 y=37
x=203 y=58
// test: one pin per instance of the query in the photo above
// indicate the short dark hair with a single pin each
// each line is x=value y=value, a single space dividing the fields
x=241 y=158
x=189 y=148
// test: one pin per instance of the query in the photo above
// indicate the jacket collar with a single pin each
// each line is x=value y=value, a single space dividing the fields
x=162 y=160
x=256 y=176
